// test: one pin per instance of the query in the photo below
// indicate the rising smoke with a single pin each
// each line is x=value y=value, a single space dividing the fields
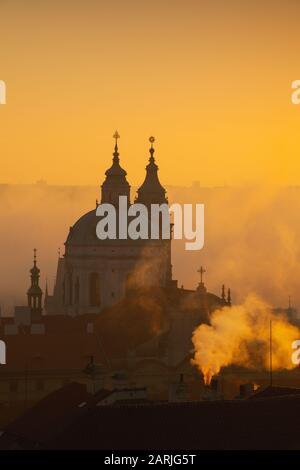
x=239 y=335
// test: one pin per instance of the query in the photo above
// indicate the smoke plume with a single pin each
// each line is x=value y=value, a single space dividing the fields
x=240 y=336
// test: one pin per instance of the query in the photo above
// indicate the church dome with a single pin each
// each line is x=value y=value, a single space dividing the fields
x=83 y=233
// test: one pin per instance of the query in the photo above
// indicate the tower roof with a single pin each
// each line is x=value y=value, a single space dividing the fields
x=115 y=183
x=116 y=169
x=34 y=289
x=151 y=191
x=35 y=271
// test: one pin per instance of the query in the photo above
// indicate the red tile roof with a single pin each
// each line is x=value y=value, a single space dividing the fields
x=59 y=423
x=54 y=413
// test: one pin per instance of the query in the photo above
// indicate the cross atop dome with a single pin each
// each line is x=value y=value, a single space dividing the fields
x=201 y=287
x=201 y=271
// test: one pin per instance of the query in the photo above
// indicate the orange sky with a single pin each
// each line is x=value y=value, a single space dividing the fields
x=210 y=79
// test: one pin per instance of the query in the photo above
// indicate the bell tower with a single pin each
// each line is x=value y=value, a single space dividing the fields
x=35 y=293
x=115 y=183
x=151 y=191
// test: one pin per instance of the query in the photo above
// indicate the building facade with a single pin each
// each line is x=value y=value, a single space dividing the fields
x=95 y=274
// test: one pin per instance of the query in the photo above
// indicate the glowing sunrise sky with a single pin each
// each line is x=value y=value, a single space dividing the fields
x=210 y=79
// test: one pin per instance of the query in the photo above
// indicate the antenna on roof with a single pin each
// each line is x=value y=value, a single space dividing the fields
x=271 y=365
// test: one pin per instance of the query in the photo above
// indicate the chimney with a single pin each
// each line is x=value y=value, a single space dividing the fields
x=214 y=391
x=215 y=385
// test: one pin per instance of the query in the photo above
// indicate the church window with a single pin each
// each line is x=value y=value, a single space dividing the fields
x=94 y=283
x=77 y=288
x=64 y=292
x=70 y=290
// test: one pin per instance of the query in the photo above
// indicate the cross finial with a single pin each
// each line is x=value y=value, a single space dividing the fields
x=201 y=271
x=116 y=136
x=152 y=140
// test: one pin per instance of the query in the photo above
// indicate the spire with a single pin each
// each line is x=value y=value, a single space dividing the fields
x=223 y=293
x=229 y=297
x=35 y=272
x=290 y=309
x=116 y=159
x=151 y=191
x=115 y=169
x=35 y=293
x=115 y=184
x=151 y=150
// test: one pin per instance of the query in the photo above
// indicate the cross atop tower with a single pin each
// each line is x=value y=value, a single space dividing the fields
x=116 y=136
x=201 y=271
x=152 y=140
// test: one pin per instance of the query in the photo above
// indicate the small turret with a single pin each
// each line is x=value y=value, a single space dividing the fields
x=35 y=293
